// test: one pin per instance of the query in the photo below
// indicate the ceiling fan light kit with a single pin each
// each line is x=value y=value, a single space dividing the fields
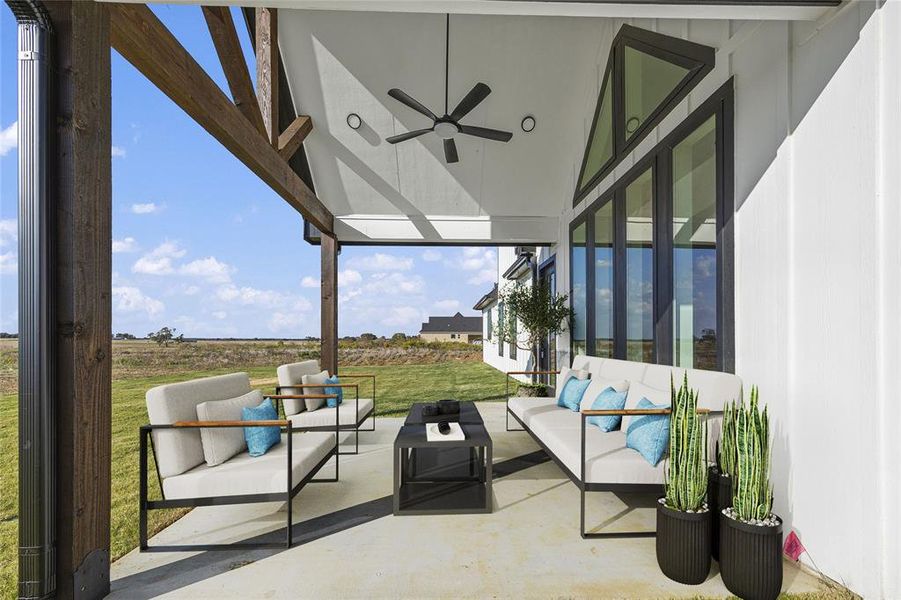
x=448 y=126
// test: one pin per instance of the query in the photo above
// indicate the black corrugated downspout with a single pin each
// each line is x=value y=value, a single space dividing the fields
x=37 y=425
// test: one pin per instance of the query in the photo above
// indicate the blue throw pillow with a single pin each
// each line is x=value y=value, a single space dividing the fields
x=649 y=434
x=609 y=399
x=571 y=396
x=333 y=402
x=260 y=439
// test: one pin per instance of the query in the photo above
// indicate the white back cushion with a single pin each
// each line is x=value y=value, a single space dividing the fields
x=221 y=443
x=177 y=451
x=565 y=374
x=598 y=385
x=637 y=391
x=314 y=403
x=714 y=388
x=292 y=374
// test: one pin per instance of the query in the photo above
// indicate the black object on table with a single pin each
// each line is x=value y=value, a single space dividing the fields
x=443 y=477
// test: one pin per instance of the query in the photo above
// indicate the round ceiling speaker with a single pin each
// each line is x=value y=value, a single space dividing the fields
x=354 y=121
x=528 y=123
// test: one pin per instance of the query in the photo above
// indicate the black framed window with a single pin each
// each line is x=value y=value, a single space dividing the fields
x=654 y=253
x=647 y=74
x=489 y=331
x=500 y=326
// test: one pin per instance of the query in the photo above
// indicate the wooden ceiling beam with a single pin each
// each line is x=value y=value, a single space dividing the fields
x=139 y=36
x=231 y=57
x=267 y=70
x=294 y=135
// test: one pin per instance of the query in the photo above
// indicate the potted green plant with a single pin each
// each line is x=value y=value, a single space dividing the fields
x=683 y=518
x=721 y=474
x=750 y=534
x=532 y=314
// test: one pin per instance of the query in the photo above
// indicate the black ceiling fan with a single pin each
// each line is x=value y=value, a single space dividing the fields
x=448 y=126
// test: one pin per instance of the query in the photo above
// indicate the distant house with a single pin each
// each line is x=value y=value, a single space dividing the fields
x=452 y=329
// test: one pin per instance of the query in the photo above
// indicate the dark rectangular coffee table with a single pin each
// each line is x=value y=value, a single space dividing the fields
x=443 y=477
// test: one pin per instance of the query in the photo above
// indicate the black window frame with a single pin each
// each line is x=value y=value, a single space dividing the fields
x=697 y=58
x=500 y=329
x=659 y=159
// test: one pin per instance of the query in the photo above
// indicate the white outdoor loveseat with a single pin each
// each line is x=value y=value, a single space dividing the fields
x=598 y=461
x=182 y=456
x=351 y=413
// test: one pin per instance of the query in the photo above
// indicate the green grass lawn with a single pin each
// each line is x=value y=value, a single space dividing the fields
x=398 y=387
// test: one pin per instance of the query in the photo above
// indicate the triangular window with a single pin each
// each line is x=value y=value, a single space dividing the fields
x=647 y=75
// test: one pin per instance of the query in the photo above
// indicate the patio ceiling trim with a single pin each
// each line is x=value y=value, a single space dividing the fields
x=141 y=38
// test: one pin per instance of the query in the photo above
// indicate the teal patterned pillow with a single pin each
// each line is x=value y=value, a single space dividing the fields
x=571 y=396
x=649 y=434
x=260 y=439
x=609 y=399
x=333 y=402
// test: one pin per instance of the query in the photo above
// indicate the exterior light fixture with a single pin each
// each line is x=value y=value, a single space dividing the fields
x=528 y=123
x=354 y=121
x=632 y=124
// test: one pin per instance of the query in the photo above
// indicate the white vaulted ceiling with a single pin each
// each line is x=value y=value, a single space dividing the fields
x=345 y=62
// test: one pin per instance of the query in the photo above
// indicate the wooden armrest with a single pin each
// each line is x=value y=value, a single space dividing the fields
x=232 y=424
x=634 y=411
x=300 y=396
x=533 y=372
x=317 y=385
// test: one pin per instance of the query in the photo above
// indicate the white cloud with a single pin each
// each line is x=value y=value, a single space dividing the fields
x=394 y=284
x=403 y=316
x=349 y=277
x=219 y=314
x=146 y=208
x=482 y=277
x=9 y=138
x=209 y=269
x=118 y=151
x=159 y=260
x=132 y=299
x=271 y=299
x=430 y=255
x=382 y=262
x=8 y=261
x=281 y=322
x=447 y=305
x=310 y=282
x=191 y=290
x=127 y=244
x=9 y=232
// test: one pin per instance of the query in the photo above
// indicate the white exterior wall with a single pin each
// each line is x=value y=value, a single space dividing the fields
x=505 y=257
x=817 y=266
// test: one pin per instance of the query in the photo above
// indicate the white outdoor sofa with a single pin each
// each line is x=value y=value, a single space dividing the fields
x=185 y=478
x=351 y=413
x=598 y=461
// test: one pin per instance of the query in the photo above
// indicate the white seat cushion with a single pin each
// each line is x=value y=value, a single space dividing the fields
x=326 y=416
x=177 y=451
x=607 y=458
x=244 y=474
x=292 y=374
x=221 y=443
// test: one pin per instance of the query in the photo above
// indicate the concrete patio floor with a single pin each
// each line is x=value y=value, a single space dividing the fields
x=348 y=545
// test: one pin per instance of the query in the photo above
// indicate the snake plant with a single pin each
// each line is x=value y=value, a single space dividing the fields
x=752 y=493
x=726 y=456
x=686 y=476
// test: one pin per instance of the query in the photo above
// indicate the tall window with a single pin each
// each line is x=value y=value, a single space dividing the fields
x=579 y=279
x=640 y=268
x=603 y=280
x=694 y=248
x=500 y=328
x=489 y=333
x=651 y=259
x=647 y=74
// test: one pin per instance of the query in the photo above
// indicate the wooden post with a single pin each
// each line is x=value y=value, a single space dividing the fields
x=80 y=191
x=267 y=70
x=328 y=358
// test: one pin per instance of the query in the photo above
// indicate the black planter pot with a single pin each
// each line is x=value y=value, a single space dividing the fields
x=719 y=496
x=751 y=559
x=683 y=544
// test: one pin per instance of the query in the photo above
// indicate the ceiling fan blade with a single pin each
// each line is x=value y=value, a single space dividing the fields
x=404 y=98
x=478 y=93
x=402 y=137
x=450 y=151
x=488 y=134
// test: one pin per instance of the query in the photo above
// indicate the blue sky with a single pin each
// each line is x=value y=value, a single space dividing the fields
x=202 y=245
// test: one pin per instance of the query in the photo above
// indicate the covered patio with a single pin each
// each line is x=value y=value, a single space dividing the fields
x=313 y=119
x=348 y=544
